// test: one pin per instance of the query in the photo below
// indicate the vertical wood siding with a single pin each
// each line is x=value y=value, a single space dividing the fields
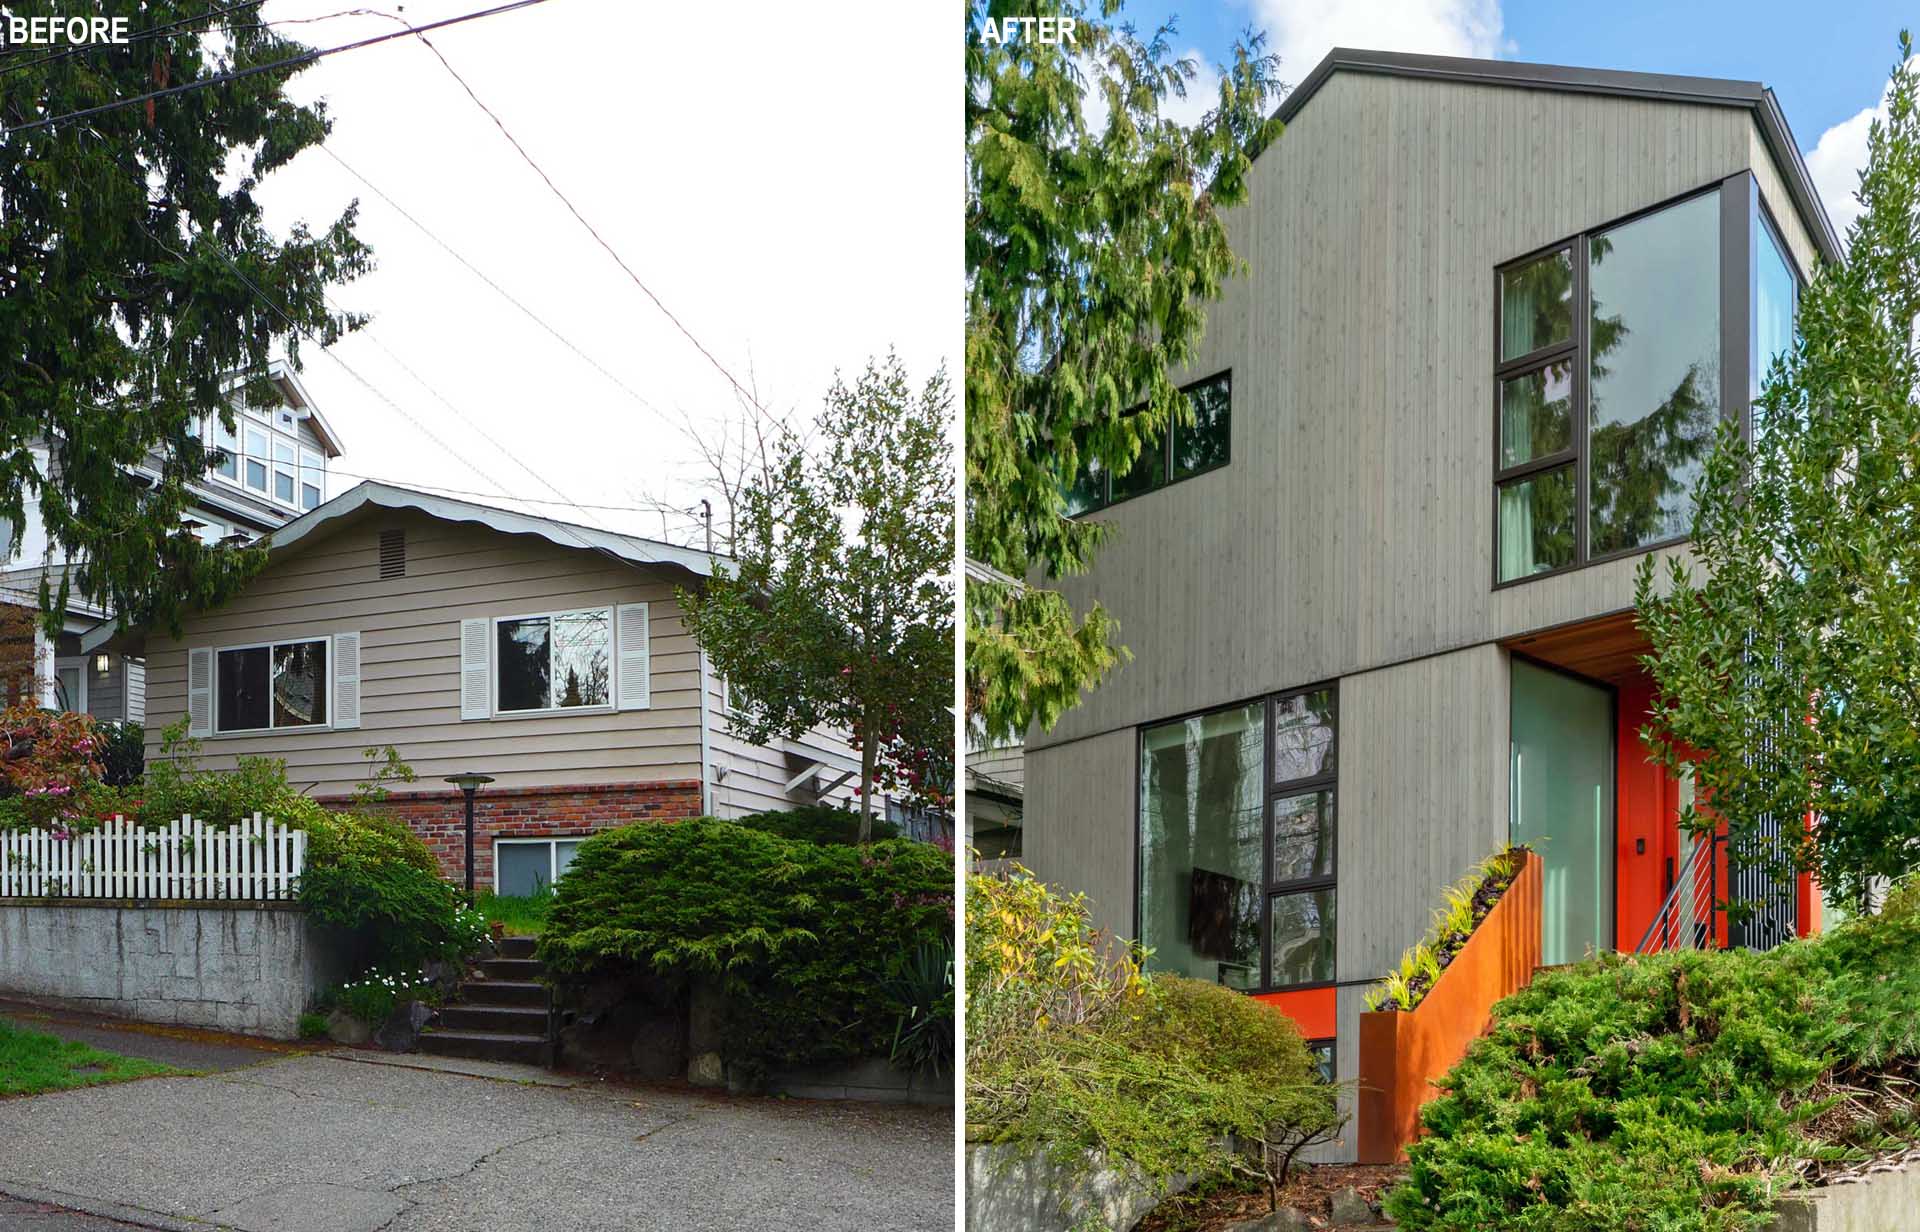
x=1082 y=797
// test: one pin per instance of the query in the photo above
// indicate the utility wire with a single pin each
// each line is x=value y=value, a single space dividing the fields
x=307 y=57
x=598 y=238
x=649 y=510
x=482 y=276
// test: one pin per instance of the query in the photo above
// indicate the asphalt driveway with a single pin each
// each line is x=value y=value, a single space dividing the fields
x=356 y=1143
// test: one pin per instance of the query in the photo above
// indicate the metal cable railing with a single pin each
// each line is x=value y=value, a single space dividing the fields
x=1688 y=918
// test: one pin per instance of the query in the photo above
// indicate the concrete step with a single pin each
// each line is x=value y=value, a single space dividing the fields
x=513 y=1019
x=512 y=968
x=503 y=992
x=517 y=947
x=485 y=1045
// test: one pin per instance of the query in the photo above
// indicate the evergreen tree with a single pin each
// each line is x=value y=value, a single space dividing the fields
x=1092 y=250
x=138 y=282
x=1789 y=676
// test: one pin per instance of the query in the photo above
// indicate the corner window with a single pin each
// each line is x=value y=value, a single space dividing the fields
x=526 y=867
x=1188 y=450
x=1237 y=843
x=1607 y=382
x=555 y=661
x=261 y=688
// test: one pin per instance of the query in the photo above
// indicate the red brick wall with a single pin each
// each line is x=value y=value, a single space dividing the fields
x=439 y=817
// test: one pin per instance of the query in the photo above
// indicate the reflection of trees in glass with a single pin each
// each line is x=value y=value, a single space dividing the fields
x=1202 y=809
x=1537 y=305
x=299 y=688
x=1204 y=444
x=524 y=664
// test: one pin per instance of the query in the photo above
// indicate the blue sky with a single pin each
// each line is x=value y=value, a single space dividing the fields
x=1827 y=63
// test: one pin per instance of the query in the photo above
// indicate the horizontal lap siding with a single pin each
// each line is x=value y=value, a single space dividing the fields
x=1353 y=527
x=410 y=677
x=755 y=775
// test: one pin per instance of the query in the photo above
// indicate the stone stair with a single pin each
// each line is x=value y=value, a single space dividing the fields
x=500 y=1014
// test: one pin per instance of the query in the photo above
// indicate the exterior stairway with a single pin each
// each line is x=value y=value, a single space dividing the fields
x=499 y=1016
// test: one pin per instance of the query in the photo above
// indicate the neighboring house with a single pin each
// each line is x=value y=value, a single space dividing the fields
x=474 y=639
x=273 y=467
x=1379 y=595
x=995 y=787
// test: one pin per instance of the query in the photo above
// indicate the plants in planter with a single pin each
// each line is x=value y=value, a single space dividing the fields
x=1467 y=903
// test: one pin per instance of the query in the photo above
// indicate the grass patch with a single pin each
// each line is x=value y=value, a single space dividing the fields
x=520 y=915
x=32 y=1064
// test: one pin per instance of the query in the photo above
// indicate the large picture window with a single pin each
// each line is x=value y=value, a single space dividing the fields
x=1237 y=843
x=1186 y=451
x=278 y=685
x=554 y=661
x=1607 y=386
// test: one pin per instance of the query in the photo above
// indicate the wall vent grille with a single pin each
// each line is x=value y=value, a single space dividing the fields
x=393 y=553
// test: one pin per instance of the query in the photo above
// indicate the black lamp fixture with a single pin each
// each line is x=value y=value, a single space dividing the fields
x=469 y=783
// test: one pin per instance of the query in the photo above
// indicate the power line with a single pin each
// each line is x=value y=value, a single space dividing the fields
x=308 y=57
x=650 y=510
x=482 y=276
x=598 y=238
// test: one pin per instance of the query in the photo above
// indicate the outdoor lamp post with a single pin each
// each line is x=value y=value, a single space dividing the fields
x=469 y=783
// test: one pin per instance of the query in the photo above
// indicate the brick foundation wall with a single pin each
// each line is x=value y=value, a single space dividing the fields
x=440 y=818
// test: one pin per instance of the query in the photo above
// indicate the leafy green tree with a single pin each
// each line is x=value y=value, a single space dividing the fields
x=838 y=607
x=1092 y=252
x=138 y=281
x=1790 y=674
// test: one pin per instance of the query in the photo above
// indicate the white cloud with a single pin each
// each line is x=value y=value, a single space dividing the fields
x=1203 y=92
x=1837 y=159
x=1303 y=31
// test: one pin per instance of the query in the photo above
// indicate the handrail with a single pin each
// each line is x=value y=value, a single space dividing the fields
x=1687 y=890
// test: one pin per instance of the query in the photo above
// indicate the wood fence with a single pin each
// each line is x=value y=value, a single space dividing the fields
x=258 y=859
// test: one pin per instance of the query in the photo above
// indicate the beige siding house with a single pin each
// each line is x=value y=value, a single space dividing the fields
x=550 y=656
x=1379 y=596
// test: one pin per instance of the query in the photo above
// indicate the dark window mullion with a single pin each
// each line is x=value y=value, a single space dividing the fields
x=1270 y=712
x=1535 y=466
x=1533 y=359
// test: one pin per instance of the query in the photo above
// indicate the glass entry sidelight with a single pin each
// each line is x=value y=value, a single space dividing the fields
x=1561 y=795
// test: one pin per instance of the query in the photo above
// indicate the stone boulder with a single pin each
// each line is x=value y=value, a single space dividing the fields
x=1018 y=1189
x=344 y=1028
x=401 y=1031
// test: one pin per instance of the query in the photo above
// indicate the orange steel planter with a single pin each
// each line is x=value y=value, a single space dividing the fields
x=1401 y=1052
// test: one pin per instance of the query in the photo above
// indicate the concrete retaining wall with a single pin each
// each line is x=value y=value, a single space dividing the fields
x=1877 y=1202
x=251 y=968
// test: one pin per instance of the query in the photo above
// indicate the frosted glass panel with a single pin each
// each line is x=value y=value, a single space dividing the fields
x=1562 y=802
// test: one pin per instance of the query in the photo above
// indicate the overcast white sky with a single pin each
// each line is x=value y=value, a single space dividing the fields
x=787 y=181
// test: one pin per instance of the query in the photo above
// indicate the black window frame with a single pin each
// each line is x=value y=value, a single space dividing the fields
x=1737 y=192
x=1327 y=780
x=324 y=641
x=1107 y=499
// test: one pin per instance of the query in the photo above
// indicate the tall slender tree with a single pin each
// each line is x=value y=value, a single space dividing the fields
x=1094 y=241
x=138 y=282
x=837 y=607
x=1789 y=675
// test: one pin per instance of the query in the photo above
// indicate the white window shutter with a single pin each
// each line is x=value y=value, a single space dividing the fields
x=635 y=674
x=346 y=680
x=200 y=691
x=476 y=685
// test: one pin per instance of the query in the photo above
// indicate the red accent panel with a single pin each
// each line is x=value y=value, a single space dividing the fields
x=1647 y=806
x=1312 y=1010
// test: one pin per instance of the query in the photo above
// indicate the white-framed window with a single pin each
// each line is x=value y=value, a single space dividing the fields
x=226 y=445
x=313 y=484
x=528 y=866
x=291 y=684
x=268 y=457
x=70 y=684
x=560 y=662
x=553 y=661
x=254 y=465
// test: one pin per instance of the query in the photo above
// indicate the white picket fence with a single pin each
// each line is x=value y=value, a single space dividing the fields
x=258 y=859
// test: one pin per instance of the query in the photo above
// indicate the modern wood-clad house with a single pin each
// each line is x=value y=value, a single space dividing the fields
x=548 y=655
x=1379 y=595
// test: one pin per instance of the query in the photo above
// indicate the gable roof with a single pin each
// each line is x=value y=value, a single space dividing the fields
x=372 y=494
x=1706 y=91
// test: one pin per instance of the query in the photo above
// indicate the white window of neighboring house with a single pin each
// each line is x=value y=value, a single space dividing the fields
x=256 y=459
x=227 y=444
x=70 y=683
x=553 y=661
x=283 y=471
x=313 y=478
x=272 y=685
x=527 y=866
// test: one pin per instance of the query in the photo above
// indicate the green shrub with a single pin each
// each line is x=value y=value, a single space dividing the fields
x=1679 y=1091
x=123 y=752
x=923 y=1038
x=798 y=934
x=372 y=997
x=1070 y=1048
x=313 y=1026
x=817 y=823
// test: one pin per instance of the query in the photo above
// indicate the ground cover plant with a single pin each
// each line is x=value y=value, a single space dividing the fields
x=32 y=1062
x=1468 y=901
x=1072 y=1048
x=519 y=915
x=1680 y=1091
x=797 y=935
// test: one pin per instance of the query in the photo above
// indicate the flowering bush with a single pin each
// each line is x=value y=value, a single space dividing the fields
x=51 y=764
x=372 y=997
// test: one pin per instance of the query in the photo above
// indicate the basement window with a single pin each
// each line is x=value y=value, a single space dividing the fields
x=524 y=867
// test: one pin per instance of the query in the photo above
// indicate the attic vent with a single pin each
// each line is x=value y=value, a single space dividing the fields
x=393 y=553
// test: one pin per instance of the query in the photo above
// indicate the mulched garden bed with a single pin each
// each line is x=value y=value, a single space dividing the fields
x=1309 y=1190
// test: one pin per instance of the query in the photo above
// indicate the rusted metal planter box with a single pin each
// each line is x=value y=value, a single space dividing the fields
x=1402 y=1052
